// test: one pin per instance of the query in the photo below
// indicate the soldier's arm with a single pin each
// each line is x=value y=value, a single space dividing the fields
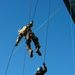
x=30 y=24
x=45 y=68
x=35 y=74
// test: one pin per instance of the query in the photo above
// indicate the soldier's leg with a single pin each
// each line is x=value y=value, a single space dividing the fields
x=36 y=43
x=18 y=39
x=28 y=46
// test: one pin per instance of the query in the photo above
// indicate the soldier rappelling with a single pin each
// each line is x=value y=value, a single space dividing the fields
x=30 y=36
x=41 y=70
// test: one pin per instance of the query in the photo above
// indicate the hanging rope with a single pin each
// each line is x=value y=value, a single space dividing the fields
x=24 y=62
x=9 y=60
x=47 y=31
x=72 y=40
x=30 y=10
x=29 y=21
x=40 y=26
x=35 y=9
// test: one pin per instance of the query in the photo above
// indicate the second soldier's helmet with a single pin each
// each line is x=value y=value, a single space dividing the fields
x=31 y=22
x=39 y=69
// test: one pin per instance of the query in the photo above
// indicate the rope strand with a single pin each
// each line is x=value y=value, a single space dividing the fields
x=72 y=40
x=47 y=31
x=35 y=10
x=30 y=10
x=24 y=62
x=47 y=19
x=9 y=60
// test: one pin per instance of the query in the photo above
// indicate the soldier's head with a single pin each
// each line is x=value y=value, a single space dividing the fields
x=39 y=69
x=31 y=22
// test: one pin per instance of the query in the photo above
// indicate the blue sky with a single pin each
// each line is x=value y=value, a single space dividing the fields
x=60 y=51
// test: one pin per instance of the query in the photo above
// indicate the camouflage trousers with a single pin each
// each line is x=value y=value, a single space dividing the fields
x=30 y=36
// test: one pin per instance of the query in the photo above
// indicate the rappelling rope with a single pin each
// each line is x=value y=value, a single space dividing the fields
x=13 y=52
x=29 y=21
x=48 y=19
x=35 y=10
x=30 y=10
x=9 y=60
x=23 y=42
x=46 y=41
x=24 y=62
x=72 y=40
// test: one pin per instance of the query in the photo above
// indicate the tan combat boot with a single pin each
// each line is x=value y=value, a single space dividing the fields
x=30 y=51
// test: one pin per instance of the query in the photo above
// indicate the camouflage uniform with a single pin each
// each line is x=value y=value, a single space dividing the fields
x=30 y=36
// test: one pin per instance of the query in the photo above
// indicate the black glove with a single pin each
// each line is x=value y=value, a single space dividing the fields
x=16 y=44
x=32 y=21
x=43 y=64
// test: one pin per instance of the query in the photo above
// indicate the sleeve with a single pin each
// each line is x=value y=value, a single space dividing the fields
x=45 y=69
x=35 y=74
x=30 y=24
x=20 y=29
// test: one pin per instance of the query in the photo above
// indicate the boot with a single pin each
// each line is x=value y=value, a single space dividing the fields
x=31 y=53
x=37 y=51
